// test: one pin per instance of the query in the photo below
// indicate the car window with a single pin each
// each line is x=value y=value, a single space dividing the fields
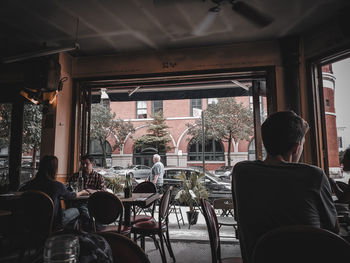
x=173 y=174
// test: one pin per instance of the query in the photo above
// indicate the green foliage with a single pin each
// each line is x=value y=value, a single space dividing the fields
x=157 y=135
x=115 y=184
x=224 y=121
x=5 y=124
x=195 y=184
x=104 y=125
x=32 y=119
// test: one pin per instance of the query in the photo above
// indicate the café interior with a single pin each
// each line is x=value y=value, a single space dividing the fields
x=61 y=53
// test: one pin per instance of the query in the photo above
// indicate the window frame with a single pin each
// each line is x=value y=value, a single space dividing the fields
x=195 y=103
x=154 y=106
x=139 y=108
x=212 y=155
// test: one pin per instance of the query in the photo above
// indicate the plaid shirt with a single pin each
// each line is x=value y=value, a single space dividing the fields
x=93 y=181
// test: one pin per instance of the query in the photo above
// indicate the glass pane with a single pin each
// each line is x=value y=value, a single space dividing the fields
x=141 y=104
x=5 y=131
x=336 y=95
x=32 y=118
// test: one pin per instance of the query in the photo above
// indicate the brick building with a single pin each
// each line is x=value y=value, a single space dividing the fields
x=177 y=113
x=330 y=117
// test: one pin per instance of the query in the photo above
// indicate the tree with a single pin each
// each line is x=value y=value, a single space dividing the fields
x=103 y=125
x=32 y=122
x=32 y=118
x=225 y=121
x=157 y=135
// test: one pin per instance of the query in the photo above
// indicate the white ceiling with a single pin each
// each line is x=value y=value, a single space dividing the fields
x=115 y=26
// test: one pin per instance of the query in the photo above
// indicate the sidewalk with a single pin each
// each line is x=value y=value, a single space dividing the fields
x=198 y=232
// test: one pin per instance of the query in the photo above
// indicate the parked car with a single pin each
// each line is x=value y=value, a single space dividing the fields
x=118 y=167
x=136 y=171
x=216 y=189
x=224 y=172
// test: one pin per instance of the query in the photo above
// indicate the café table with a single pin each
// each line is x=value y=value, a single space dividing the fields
x=139 y=199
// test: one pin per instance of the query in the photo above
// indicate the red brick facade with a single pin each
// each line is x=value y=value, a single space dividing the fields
x=177 y=113
x=330 y=116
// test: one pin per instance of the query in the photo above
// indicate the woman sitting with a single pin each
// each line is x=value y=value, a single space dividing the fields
x=45 y=181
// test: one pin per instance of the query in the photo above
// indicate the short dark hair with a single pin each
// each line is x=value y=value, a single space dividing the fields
x=88 y=157
x=281 y=131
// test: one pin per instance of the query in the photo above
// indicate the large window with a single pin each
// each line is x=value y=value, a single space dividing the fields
x=195 y=104
x=141 y=109
x=157 y=105
x=213 y=151
x=5 y=128
x=333 y=99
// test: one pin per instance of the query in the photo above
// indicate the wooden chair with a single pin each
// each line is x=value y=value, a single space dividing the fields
x=302 y=244
x=213 y=231
x=124 y=250
x=144 y=187
x=33 y=222
x=152 y=228
x=107 y=209
x=226 y=217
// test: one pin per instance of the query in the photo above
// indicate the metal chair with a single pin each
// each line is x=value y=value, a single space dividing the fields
x=124 y=250
x=175 y=208
x=213 y=231
x=106 y=208
x=226 y=217
x=302 y=244
x=151 y=228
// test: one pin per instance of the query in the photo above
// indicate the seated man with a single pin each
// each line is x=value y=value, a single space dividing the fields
x=93 y=182
x=279 y=191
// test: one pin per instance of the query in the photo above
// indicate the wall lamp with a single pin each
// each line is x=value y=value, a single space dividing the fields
x=39 y=53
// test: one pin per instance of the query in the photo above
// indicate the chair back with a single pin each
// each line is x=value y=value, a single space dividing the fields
x=301 y=244
x=164 y=206
x=213 y=230
x=146 y=187
x=105 y=208
x=342 y=185
x=225 y=204
x=124 y=250
x=34 y=215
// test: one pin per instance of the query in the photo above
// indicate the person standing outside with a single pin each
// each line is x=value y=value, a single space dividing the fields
x=157 y=173
x=93 y=181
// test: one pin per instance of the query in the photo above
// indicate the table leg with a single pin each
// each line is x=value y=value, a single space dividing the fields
x=127 y=214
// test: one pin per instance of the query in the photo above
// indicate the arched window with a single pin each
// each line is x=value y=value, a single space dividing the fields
x=214 y=151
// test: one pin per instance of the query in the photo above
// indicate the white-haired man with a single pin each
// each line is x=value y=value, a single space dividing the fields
x=157 y=173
